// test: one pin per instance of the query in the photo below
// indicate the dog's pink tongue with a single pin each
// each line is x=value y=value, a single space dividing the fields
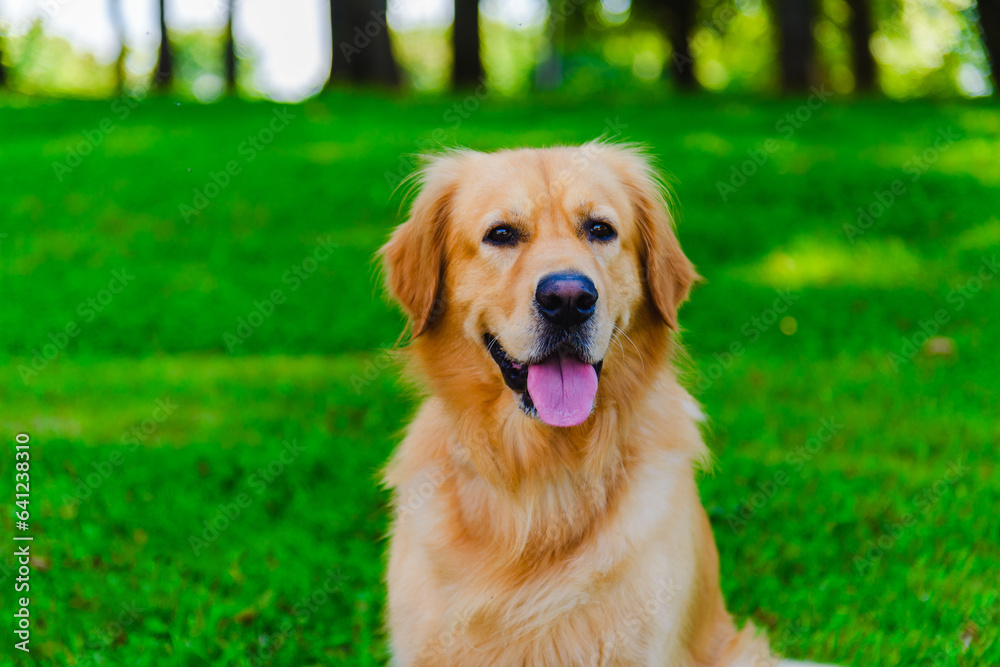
x=563 y=390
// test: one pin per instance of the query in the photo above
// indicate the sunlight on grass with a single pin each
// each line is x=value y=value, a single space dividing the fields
x=980 y=119
x=134 y=140
x=811 y=262
x=708 y=142
x=976 y=156
x=984 y=237
x=223 y=400
x=947 y=150
x=49 y=245
x=324 y=152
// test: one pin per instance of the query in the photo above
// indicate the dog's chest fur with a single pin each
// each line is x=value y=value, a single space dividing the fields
x=569 y=573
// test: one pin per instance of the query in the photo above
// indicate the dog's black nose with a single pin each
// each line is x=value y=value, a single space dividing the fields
x=566 y=298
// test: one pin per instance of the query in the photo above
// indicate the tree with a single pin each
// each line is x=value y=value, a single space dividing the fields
x=118 y=21
x=677 y=20
x=567 y=32
x=989 y=28
x=860 y=30
x=468 y=64
x=362 y=52
x=3 y=70
x=164 y=77
x=230 y=51
x=797 y=46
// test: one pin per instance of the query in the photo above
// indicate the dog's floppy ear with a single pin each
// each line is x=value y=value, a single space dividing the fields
x=669 y=273
x=414 y=255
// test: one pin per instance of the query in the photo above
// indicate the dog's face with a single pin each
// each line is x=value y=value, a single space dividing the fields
x=539 y=258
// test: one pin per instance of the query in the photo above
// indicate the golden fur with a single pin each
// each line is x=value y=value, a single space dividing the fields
x=519 y=543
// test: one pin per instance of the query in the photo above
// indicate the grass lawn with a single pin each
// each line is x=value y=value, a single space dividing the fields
x=207 y=433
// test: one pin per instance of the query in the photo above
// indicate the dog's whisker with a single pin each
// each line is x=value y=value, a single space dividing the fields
x=495 y=341
x=489 y=350
x=642 y=361
x=621 y=347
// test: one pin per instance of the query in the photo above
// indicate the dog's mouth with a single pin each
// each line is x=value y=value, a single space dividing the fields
x=559 y=388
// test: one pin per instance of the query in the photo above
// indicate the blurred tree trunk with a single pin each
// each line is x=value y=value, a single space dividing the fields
x=797 y=47
x=549 y=72
x=230 y=51
x=338 y=69
x=676 y=19
x=468 y=64
x=362 y=52
x=566 y=28
x=860 y=30
x=118 y=21
x=3 y=70
x=989 y=27
x=164 y=77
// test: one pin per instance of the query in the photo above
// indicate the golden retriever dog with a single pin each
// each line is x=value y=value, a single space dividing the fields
x=546 y=511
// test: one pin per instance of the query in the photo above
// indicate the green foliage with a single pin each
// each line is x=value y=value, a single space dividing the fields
x=511 y=55
x=43 y=63
x=425 y=54
x=735 y=47
x=198 y=67
x=842 y=525
x=921 y=49
x=929 y=48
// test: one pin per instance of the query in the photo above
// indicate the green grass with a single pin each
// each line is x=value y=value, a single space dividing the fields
x=859 y=547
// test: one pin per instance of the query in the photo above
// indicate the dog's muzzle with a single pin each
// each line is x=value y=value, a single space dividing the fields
x=559 y=388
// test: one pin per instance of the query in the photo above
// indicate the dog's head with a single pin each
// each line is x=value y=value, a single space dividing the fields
x=538 y=258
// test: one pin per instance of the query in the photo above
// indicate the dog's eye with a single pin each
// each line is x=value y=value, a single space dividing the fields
x=501 y=235
x=600 y=230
